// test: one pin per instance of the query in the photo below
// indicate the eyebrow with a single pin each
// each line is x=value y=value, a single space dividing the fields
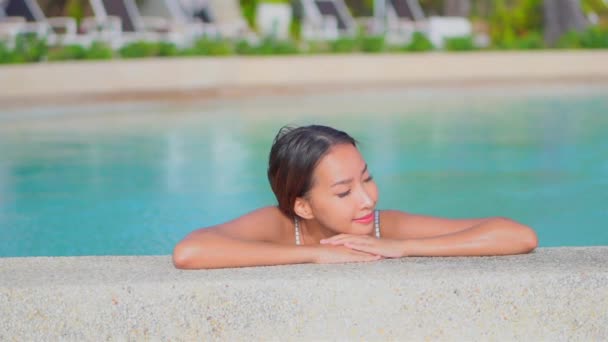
x=346 y=181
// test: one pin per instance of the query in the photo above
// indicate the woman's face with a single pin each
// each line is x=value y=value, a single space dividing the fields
x=343 y=196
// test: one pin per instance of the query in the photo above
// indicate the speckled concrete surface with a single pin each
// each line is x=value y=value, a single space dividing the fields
x=553 y=294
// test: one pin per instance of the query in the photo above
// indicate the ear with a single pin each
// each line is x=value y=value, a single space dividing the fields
x=303 y=209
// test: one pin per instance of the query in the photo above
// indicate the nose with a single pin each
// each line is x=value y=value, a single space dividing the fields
x=366 y=200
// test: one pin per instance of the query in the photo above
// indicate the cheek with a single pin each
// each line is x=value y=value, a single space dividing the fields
x=333 y=211
x=333 y=207
x=372 y=190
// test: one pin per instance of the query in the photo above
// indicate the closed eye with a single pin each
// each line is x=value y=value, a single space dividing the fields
x=368 y=179
x=344 y=194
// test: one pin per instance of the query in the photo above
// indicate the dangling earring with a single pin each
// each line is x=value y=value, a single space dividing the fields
x=297 y=224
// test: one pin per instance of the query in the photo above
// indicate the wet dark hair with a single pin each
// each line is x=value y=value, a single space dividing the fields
x=294 y=154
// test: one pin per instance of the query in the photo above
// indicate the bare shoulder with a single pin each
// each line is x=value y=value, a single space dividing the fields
x=263 y=224
x=402 y=225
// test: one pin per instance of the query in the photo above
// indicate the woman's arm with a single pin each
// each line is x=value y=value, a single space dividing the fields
x=249 y=240
x=214 y=250
x=417 y=235
x=495 y=236
x=255 y=239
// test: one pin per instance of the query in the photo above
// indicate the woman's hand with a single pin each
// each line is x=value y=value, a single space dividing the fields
x=383 y=247
x=328 y=254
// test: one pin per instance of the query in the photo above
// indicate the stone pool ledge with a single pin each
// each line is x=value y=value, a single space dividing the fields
x=551 y=294
x=213 y=77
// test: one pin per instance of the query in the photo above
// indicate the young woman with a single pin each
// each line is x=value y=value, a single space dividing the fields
x=327 y=213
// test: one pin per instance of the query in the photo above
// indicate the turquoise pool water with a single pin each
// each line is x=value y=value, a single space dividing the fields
x=135 y=178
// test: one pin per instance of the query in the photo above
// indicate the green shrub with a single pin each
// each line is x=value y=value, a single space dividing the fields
x=372 y=43
x=268 y=46
x=530 y=41
x=67 y=52
x=464 y=43
x=242 y=47
x=592 y=38
x=277 y=47
x=314 y=47
x=419 y=43
x=29 y=48
x=595 y=38
x=265 y=47
x=570 y=40
x=344 y=45
x=6 y=55
x=145 y=49
x=167 y=49
x=210 y=47
x=99 y=50
x=139 y=50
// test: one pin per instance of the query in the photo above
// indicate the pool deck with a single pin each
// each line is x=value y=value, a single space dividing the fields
x=552 y=294
x=205 y=77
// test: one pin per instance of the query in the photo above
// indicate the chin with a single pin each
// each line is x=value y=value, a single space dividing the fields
x=360 y=229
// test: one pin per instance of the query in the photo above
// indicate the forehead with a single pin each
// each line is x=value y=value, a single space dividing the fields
x=343 y=161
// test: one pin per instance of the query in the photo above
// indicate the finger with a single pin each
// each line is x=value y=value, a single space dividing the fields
x=359 y=240
x=358 y=252
x=366 y=248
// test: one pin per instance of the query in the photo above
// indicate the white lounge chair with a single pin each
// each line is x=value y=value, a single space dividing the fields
x=180 y=16
x=10 y=28
x=197 y=9
x=120 y=22
x=56 y=30
x=327 y=20
x=441 y=28
x=403 y=18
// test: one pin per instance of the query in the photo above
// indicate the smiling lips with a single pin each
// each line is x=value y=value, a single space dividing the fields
x=365 y=219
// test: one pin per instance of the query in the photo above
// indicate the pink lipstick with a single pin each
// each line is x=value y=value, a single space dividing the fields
x=365 y=219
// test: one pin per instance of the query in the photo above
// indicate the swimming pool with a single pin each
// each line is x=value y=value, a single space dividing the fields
x=128 y=179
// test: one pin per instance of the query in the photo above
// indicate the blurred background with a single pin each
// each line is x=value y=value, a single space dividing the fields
x=105 y=29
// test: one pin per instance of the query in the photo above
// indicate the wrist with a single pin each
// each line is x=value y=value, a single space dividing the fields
x=406 y=248
x=308 y=254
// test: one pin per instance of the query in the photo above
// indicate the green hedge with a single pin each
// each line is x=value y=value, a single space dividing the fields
x=361 y=43
x=209 y=47
x=419 y=43
x=29 y=48
x=464 y=43
x=267 y=47
x=592 y=38
x=97 y=50
x=528 y=41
